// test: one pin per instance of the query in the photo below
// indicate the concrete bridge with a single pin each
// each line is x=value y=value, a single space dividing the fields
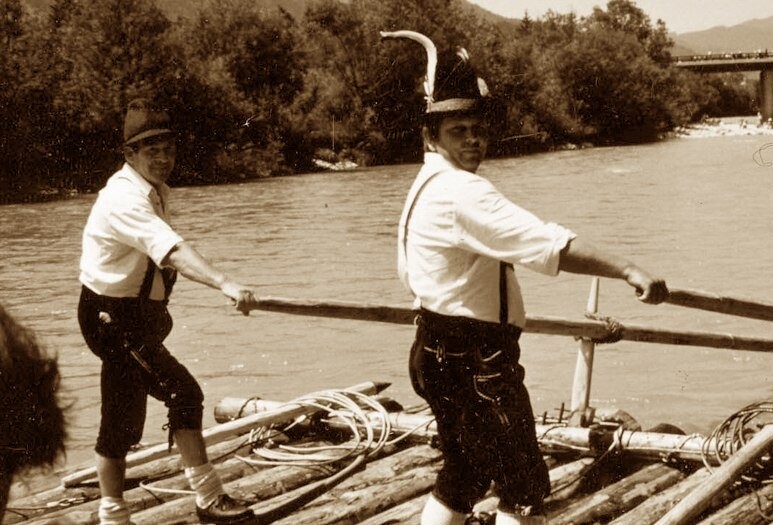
x=761 y=61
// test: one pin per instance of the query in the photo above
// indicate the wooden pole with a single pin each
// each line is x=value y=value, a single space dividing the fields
x=534 y=324
x=286 y=412
x=717 y=303
x=696 y=502
x=583 y=371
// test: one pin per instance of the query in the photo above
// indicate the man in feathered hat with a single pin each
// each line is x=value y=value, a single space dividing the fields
x=458 y=240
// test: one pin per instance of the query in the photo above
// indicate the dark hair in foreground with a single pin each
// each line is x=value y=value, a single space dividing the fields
x=31 y=422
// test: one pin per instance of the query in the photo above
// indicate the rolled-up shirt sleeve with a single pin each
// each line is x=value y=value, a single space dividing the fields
x=136 y=224
x=488 y=223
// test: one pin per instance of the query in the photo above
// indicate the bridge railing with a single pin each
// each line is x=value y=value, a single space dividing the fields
x=746 y=55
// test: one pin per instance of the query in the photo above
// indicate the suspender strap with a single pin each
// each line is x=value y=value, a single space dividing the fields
x=503 y=311
x=503 y=308
x=405 y=231
x=168 y=276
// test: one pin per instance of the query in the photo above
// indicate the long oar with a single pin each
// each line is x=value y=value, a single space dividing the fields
x=534 y=324
x=718 y=303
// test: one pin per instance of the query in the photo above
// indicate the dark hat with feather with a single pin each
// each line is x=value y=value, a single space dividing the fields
x=451 y=84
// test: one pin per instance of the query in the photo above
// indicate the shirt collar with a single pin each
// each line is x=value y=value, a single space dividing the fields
x=139 y=180
x=436 y=162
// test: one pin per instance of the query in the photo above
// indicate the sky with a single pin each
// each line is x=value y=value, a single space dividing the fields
x=680 y=16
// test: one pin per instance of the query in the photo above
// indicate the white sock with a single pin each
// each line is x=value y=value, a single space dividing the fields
x=436 y=513
x=206 y=482
x=113 y=511
x=505 y=518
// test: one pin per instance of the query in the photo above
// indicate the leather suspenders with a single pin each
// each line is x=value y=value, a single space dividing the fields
x=503 y=306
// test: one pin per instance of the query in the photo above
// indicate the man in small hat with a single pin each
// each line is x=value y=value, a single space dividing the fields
x=130 y=258
x=458 y=240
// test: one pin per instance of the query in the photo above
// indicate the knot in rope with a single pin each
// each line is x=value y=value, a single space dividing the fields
x=613 y=327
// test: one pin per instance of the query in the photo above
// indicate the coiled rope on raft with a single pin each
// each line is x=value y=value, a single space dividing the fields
x=364 y=416
x=736 y=431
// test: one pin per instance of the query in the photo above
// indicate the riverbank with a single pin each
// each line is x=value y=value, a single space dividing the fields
x=712 y=127
x=728 y=126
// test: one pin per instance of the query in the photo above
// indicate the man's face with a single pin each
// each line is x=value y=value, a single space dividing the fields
x=463 y=140
x=154 y=160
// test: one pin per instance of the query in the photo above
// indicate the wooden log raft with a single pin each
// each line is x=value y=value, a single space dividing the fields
x=218 y=433
x=700 y=499
x=266 y=488
x=553 y=438
x=620 y=497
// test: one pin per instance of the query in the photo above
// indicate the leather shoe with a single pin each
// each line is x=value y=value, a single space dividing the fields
x=224 y=510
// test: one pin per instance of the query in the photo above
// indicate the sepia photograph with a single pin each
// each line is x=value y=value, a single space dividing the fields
x=379 y=262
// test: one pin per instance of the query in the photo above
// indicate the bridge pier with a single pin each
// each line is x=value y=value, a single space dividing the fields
x=766 y=89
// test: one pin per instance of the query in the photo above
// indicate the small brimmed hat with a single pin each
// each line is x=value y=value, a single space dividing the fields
x=451 y=84
x=145 y=119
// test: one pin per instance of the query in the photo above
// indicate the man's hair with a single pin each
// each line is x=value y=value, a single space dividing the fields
x=32 y=429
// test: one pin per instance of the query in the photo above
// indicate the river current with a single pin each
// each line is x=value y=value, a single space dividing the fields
x=698 y=212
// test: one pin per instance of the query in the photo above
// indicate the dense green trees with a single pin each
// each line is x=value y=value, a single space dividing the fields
x=260 y=93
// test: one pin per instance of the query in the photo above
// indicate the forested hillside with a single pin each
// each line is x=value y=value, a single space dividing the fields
x=261 y=91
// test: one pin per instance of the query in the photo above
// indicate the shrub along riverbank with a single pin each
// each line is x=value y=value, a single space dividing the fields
x=258 y=92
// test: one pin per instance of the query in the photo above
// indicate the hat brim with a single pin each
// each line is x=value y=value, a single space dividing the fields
x=148 y=133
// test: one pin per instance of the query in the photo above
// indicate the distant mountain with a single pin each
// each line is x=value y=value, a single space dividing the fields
x=747 y=36
x=188 y=8
x=752 y=35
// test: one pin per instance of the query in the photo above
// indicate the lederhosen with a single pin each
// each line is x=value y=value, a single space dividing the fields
x=127 y=334
x=467 y=370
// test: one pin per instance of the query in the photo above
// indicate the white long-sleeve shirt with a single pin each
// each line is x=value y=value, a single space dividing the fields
x=460 y=229
x=128 y=223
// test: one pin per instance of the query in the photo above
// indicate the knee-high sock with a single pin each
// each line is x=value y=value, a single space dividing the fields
x=113 y=511
x=205 y=480
x=436 y=513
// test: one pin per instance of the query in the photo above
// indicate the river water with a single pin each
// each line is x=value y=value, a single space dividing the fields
x=697 y=212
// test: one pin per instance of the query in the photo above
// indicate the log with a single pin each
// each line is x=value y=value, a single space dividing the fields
x=534 y=324
x=369 y=492
x=553 y=438
x=649 y=511
x=618 y=498
x=223 y=431
x=563 y=477
x=642 y=445
x=750 y=509
x=694 y=504
x=717 y=303
x=272 y=486
x=655 y=506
